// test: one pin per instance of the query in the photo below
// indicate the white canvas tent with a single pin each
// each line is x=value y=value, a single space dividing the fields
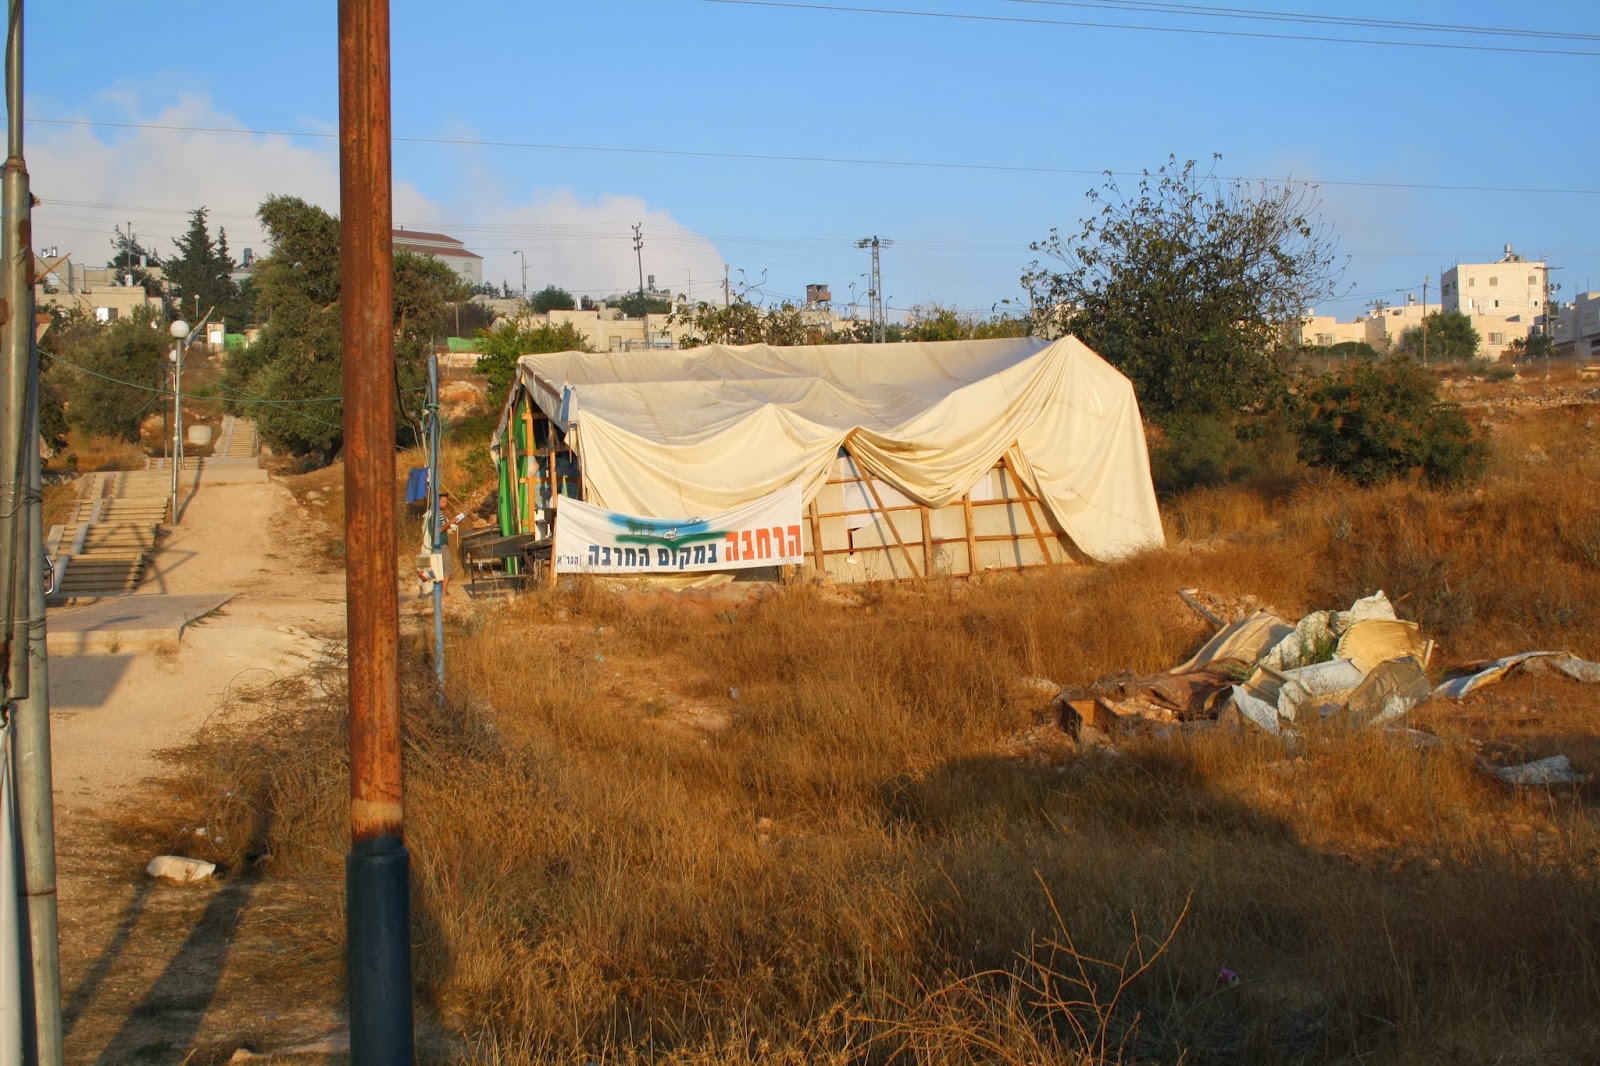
x=970 y=454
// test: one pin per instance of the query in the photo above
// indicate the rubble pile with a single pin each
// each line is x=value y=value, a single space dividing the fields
x=1358 y=668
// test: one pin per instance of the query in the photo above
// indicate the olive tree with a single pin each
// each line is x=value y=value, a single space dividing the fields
x=1189 y=284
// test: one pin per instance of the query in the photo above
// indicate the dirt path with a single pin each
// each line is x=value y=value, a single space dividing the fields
x=152 y=971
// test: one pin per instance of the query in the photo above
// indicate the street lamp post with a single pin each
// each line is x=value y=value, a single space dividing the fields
x=180 y=332
x=524 y=259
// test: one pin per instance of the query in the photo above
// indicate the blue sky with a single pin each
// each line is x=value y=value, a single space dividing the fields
x=697 y=76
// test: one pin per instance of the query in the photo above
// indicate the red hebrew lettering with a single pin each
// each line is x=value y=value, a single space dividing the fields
x=749 y=549
x=733 y=548
x=763 y=543
x=794 y=543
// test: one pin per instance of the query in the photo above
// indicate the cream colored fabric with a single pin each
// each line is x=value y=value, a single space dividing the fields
x=682 y=433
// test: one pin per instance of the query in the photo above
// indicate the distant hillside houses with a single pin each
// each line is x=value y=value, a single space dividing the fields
x=1506 y=301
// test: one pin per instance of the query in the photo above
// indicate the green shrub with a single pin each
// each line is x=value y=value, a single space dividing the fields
x=1189 y=452
x=1352 y=350
x=1373 y=422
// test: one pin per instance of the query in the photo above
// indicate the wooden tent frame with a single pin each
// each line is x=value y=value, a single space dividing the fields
x=1039 y=542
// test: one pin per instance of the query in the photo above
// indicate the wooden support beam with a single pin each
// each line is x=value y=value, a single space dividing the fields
x=816 y=535
x=972 y=538
x=1028 y=510
x=555 y=494
x=927 y=542
x=877 y=501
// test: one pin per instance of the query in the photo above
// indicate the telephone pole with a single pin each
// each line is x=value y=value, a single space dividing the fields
x=875 y=288
x=377 y=890
x=725 y=289
x=1425 y=279
x=638 y=251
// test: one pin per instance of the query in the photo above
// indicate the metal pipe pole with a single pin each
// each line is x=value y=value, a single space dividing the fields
x=16 y=339
x=177 y=424
x=36 y=812
x=27 y=691
x=376 y=870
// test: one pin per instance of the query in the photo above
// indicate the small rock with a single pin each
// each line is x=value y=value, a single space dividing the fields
x=178 y=868
x=1042 y=685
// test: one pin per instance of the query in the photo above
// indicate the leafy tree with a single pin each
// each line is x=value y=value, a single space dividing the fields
x=1533 y=346
x=1001 y=326
x=744 y=322
x=131 y=257
x=937 y=323
x=200 y=275
x=111 y=375
x=469 y=318
x=290 y=381
x=1184 y=282
x=550 y=299
x=1347 y=350
x=1451 y=338
x=499 y=348
x=637 y=305
x=1377 y=421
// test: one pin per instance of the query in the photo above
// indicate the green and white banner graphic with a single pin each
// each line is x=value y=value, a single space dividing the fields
x=592 y=540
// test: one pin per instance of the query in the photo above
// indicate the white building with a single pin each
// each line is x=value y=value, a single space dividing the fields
x=1505 y=300
x=467 y=265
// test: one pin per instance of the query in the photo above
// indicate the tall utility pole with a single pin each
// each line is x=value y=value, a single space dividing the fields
x=638 y=251
x=377 y=903
x=1425 y=279
x=26 y=695
x=725 y=290
x=524 y=258
x=875 y=288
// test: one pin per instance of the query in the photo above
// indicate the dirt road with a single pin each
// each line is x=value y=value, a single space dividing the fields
x=152 y=971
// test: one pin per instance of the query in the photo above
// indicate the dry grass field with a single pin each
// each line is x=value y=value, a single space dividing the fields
x=839 y=826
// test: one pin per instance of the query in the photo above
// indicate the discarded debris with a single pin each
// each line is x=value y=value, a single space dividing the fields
x=1362 y=667
x=1556 y=770
x=1480 y=674
x=178 y=868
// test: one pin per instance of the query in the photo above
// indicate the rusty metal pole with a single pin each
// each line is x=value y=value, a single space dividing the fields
x=29 y=694
x=378 y=918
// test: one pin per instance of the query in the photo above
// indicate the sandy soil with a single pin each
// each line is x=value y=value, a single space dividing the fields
x=151 y=971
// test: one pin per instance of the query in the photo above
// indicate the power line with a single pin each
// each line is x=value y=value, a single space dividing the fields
x=1257 y=15
x=1081 y=23
x=784 y=158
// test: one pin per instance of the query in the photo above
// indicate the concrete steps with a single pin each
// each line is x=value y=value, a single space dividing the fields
x=115 y=530
x=238 y=439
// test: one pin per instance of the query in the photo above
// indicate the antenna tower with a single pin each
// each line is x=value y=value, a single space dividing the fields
x=875 y=287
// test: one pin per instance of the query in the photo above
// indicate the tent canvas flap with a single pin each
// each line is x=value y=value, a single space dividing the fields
x=673 y=433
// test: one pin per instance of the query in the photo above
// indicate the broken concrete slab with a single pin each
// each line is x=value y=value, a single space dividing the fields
x=127 y=623
x=1556 y=770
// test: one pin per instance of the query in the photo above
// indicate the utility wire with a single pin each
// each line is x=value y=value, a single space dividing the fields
x=967 y=17
x=782 y=158
x=1257 y=15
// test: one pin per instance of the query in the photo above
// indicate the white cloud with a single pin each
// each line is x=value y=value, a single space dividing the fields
x=90 y=179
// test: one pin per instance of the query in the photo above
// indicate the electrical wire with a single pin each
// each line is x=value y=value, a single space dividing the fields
x=1082 y=23
x=769 y=157
x=1257 y=15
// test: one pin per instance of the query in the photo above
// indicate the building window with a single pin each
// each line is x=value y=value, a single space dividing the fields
x=1472 y=283
x=1497 y=338
x=1325 y=340
x=1494 y=281
x=1533 y=279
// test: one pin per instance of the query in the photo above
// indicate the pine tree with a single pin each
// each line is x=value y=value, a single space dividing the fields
x=200 y=277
